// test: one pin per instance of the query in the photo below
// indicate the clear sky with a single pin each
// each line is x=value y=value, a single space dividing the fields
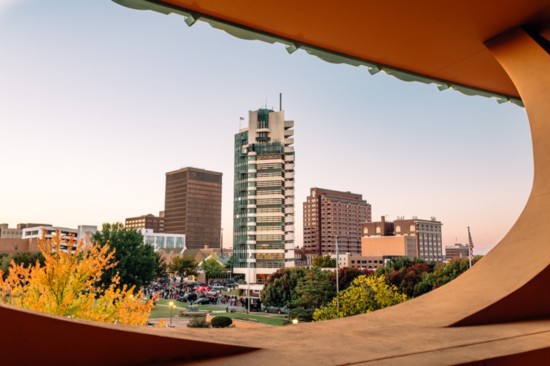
x=98 y=102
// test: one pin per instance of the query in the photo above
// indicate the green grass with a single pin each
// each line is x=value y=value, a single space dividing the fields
x=162 y=310
x=263 y=319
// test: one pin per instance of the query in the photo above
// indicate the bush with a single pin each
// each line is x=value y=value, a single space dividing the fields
x=199 y=322
x=301 y=314
x=221 y=322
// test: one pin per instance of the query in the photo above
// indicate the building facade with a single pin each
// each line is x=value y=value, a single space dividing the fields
x=193 y=206
x=164 y=241
x=456 y=251
x=263 y=211
x=149 y=221
x=10 y=233
x=333 y=215
x=417 y=238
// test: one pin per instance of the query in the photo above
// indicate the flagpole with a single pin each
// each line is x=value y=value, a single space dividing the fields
x=470 y=247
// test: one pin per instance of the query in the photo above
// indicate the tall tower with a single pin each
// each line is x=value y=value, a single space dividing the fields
x=330 y=215
x=263 y=214
x=193 y=206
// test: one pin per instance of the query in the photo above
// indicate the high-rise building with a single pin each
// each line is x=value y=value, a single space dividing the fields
x=193 y=206
x=412 y=237
x=263 y=211
x=333 y=215
x=149 y=221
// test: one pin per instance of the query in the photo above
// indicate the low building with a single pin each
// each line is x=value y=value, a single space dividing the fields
x=9 y=233
x=13 y=246
x=412 y=238
x=456 y=251
x=149 y=221
x=168 y=243
x=350 y=260
x=83 y=232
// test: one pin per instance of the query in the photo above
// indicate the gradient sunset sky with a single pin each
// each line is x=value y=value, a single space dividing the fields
x=98 y=102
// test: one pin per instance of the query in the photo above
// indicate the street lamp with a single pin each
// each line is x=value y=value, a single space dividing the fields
x=337 y=279
x=248 y=280
x=171 y=304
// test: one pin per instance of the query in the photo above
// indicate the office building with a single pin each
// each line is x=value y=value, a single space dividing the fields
x=149 y=221
x=331 y=216
x=263 y=220
x=412 y=238
x=193 y=206
x=456 y=251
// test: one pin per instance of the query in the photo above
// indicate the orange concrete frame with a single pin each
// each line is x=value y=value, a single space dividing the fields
x=489 y=315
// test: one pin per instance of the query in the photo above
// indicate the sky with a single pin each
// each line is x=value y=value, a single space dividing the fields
x=98 y=102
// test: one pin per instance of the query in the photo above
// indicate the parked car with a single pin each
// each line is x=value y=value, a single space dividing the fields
x=276 y=309
x=189 y=297
x=202 y=301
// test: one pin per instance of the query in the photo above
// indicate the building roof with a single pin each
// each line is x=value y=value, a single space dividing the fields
x=443 y=43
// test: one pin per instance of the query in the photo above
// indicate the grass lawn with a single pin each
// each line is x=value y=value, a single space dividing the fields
x=259 y=317
x=162 y=310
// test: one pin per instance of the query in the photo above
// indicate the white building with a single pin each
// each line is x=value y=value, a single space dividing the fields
x=263 y=214
x=164 y=241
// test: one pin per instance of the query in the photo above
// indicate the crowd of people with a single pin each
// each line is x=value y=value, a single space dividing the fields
x=176 y=289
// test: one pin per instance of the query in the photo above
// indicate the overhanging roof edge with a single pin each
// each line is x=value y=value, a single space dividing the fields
x=248 y=33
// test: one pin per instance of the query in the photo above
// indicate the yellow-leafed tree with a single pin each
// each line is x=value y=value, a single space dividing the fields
x=366 y=294
x=68 y=285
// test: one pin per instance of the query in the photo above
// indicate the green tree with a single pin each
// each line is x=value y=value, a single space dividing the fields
x=212 y=268
x=136 y=262
x=314 y=289
x=161 y=268
x=410 y=276
x=280 y=288
x=183 y=266
x=28 y=258
x=446 y=272
x=346 y=276
x=366 y=294
x=324 y=261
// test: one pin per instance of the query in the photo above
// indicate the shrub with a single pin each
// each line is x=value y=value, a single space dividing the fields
x=221 y=322
x=199 y=322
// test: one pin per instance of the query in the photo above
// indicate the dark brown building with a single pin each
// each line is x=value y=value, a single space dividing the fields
x=149 y=221
x=193 y=206
x=330 y=214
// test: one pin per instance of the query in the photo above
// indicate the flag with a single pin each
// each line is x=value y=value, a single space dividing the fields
x=470 y=244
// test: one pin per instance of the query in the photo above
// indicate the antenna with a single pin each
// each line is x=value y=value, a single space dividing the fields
x=280 y=102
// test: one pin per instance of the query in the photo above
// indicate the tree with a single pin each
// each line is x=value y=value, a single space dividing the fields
x=314 y=289
x=183 y=266
x=324 y=261
x=68 y=284
x=280 y=288
x=346 y=276
x=161 y=268
x=408 y=275
x=136 y=262
x=366 y=294
x=28 y=258
x=212 y=268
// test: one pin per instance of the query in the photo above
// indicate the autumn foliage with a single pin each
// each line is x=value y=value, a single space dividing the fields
x=67 y=284
x=366 y=294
